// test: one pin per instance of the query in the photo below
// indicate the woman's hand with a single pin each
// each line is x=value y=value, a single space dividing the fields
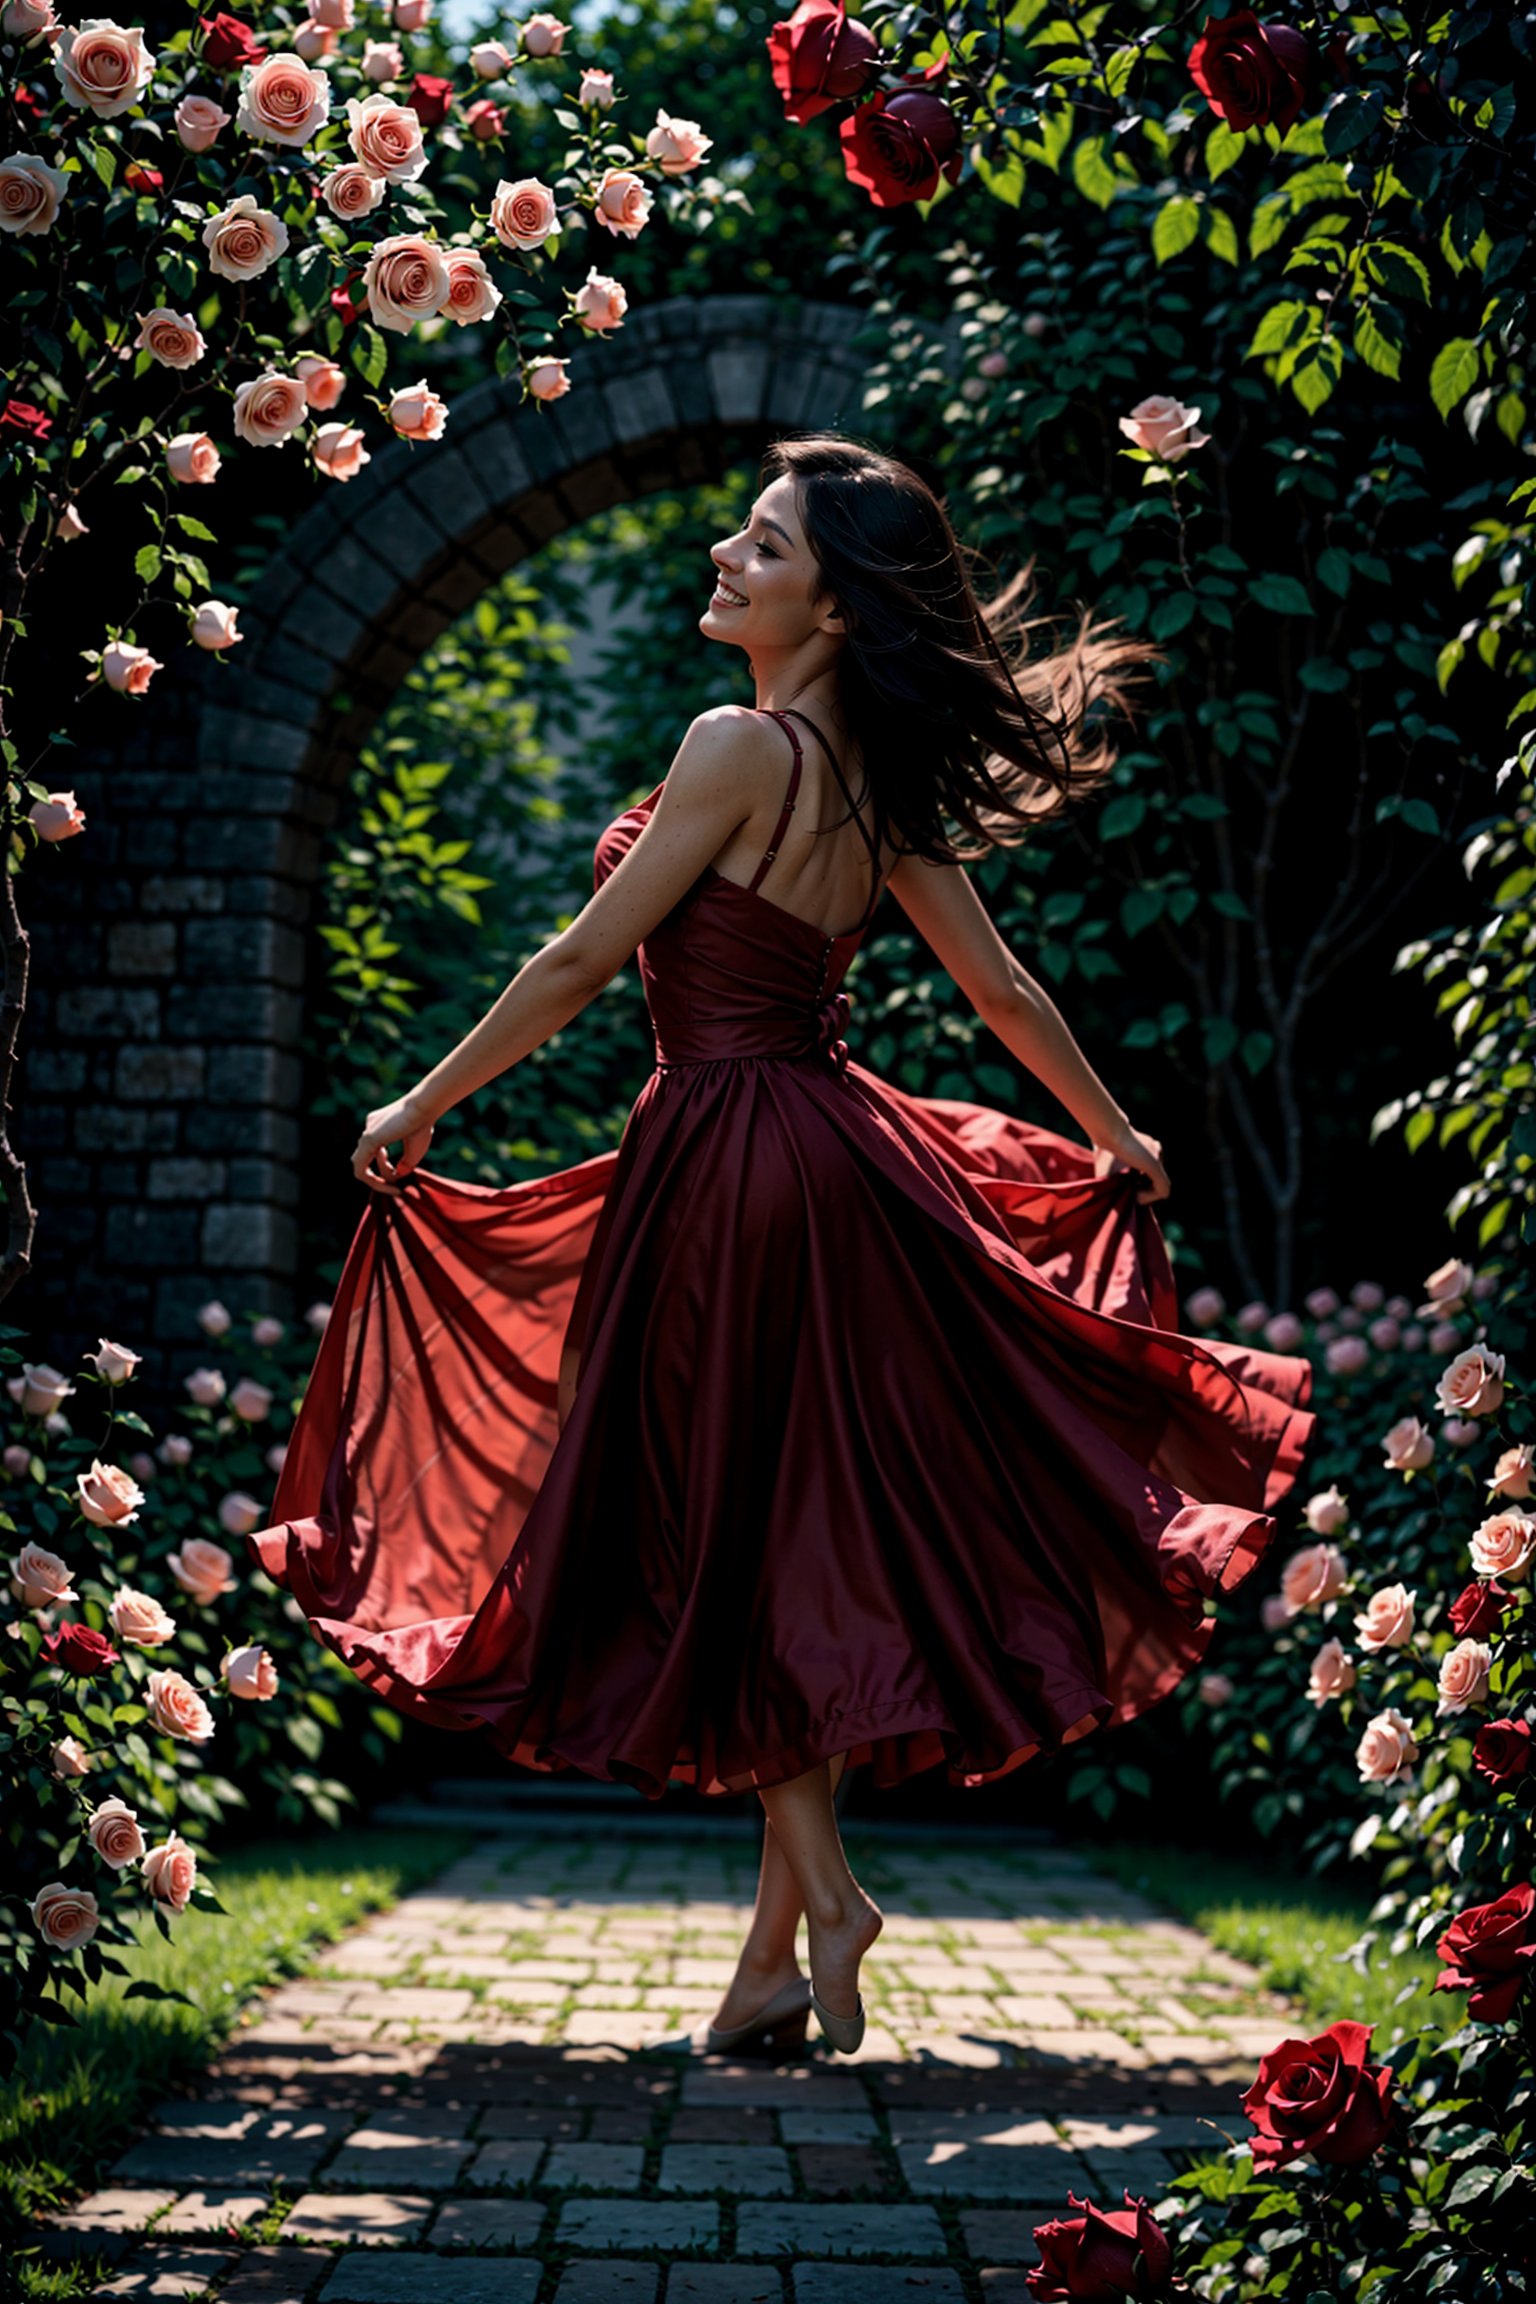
x=400 y=1123
x=1138 y=1152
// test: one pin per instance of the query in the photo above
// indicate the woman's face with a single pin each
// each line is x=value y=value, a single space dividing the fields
x=765 y=580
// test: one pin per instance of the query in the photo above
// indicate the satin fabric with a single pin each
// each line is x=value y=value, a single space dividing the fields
x=881 y=1439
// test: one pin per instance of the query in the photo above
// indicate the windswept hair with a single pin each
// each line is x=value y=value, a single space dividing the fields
x=955 y=713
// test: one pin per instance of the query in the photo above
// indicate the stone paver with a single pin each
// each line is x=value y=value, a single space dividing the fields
x=398 y=2138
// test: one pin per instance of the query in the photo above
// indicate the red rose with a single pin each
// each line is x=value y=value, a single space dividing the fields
x=228 y=43
x=430 y=98
x=341 y=300
x=22 y=416
x=1502 y=1751
x=1320 y=2096
x=1476 y=1611
x=896 y=146
x=1254 y=75
x=140 y=177
x=1101 y=2253
x=1487 y=1950
x=80 y=1650
x=819 y=56
x=27 y=99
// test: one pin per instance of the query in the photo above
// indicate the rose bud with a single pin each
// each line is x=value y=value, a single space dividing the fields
x=113 y=1363
x=677 y=144
x=213 y=626
x=69 y=526
x=600 y=303
x=490 y=60
x=192 y=459
x=69 y=1758
x=1332 y=1673
x=543 y=35
x=417 y=413
x=430 y=97
x=486 y=122
x=820 y=56
x=624 y=202
x=547 y=379
x=1102 y=2253
x=596 y=89
x=1328 y=1511
x=251 y=1673
x=198 y=120
x=323 y=380
x=139 y=177
x=170 y=1873
x=127 y=669
x=1408 y=1446
x=382 y=60
x=59 y=817
x=228 y=44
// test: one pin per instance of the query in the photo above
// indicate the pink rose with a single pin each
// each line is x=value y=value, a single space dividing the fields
x=1460 y=1432
x=1386 y=1621
x=30 y=192
x=1399 y=1307
x=1313 y=1576
x=1503 y=1546
x=1385 y=1334
x=624 y=201
x=269 y=409
x=600 y=303
x=1249 y=1318
x=249 y=1400
x=1512 y=1473
x=242 y=240
x=543 y=35
x=335 y=15
x=126 y=669
x=413 y=15
x=490 y=60
x=276 y=1456
x=596 y=88
x=314 y=42
x=1205 y=1307
x=40 y=1579
x=1484 y=1285
x=678 y=144
x=1273 y=1613
x=386 y=139
x=383 y=60
x=1368 y=1294
x=1215 y=1689
x=69 y=1758
x=1386 y=1750
x=203 y=1569
x=251 y=1673
x=1351 y=1317
x=176 y=1709
x=1332 y=1673
x=283 y=100
x=142 y=1466
x=1327 y=1512
x=138 y=1618
x=1409 y=1447
x=1444 y=1337
x=323 y=382
x=214 y=627
x=1446 y=1287
x=1165 y=428
x=206 y=1386
x=1322 y=1303
x=268 y=1331
x=175 y=1448
x=340 y=455
x=59 y=817
x=1283 y=1332
x=103 y=67
x=485 y=121
x=65 y=1918
x=113 y=1831
x=17 y=1460
x=198 y=120
x=239 y=1513
x=107 y=1495
x=472 y=293
x=993 y=364
x=417 y=413
x=547 y=379
x=170 y=1873
x=1463 y=1677
x=1473 y=1383
x=27 y=19
x=113 y=1363
x=192 y=459
x=41 y=1388
x=316 y=1317
x=351 y=190
x=406 y=280
x=524 y=214
x=1347 y=1355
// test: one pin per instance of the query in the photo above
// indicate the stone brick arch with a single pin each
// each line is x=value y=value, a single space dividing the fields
x=161 y=1088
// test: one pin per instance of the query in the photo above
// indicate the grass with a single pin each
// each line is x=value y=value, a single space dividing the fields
x=1295 y=1930
x=77 y=2095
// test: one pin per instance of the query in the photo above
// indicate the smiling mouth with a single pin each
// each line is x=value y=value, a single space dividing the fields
x=726 y=597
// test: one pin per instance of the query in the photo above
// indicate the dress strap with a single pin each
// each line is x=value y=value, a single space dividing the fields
x=870 y=842
x=782 y=825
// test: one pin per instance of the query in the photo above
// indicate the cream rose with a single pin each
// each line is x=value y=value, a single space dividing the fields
x=30 y=192
x=1327 y=1512
x=65 y=1918
x=108 y=1495
x=340 y=455
x=543 y=35
x=214 y=626
x=1503 y=1546
x=198 y=121
x=1165 y=428
x=547 y=379
x=171 y=338
x=314 y=42
x=251 y=1673
x=268 y=409
x=214 y=1318
x=678 y=144
x=175 y=1448
x=1312 y=1576
x=69 y=1757
x=176 y=1709
x=139 y=1619
x=27 y=19
x=596 y=88
x=413 y=15
x=70 y=525
x=113 y=1831
x=317 y=1317
x=417 y=413
x=42 y=1388
x=335 y=15
x=170 y=1873
x=239 y=1513
x=59 y=817
x=103 y=67
x=243 y=239
x=490 y=60
x=351 y=190
x=268 y=1331
x=1446 y=1287
x=624 y=201
x=40 y=1579
x=1387 y=1749
x=382 y=60
x=1463 y=1679
x=600 y=303
x=386 y=138
x=192 y=459
x=1512 y=1473
x=114 y=1363
x=524 y=213
x=406 y=281
x=283 y=100
x=1386 y=1621
x=202 y=1569
x=1408 y=1446
x=249 y=1400
x=1473 y=1383
x=206 y=1386
x=472 y=293
x=1332 y=1673
x=1273 y=1612
x=128 y=669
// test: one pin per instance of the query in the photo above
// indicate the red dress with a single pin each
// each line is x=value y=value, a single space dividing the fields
x=885 y=1440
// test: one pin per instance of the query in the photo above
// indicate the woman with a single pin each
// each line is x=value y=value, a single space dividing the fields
x=818 y=1423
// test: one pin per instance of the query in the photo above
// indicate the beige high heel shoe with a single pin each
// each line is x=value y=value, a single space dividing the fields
x=844 y=2032
x=778 y=2029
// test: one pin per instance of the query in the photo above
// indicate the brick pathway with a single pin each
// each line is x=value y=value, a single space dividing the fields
x=450 y=2109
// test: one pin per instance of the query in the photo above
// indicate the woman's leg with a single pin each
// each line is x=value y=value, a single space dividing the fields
x=841 y=1921
x=768 y=1958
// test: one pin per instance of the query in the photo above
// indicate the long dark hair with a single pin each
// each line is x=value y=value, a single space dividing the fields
x=954 y=713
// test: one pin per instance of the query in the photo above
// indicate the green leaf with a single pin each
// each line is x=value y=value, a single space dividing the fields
x=1378 y=340
x=1283 y=325
x=1122 y=816
x=1177 y=228
x=369 y=355
x=194 y=528
x=1284 y=594
x=1324 y=675
x=1223 y=149
x=146 y=562
x=1220 y=235
x=1333 y=570
x=1453 y=372
x=1317 y=372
